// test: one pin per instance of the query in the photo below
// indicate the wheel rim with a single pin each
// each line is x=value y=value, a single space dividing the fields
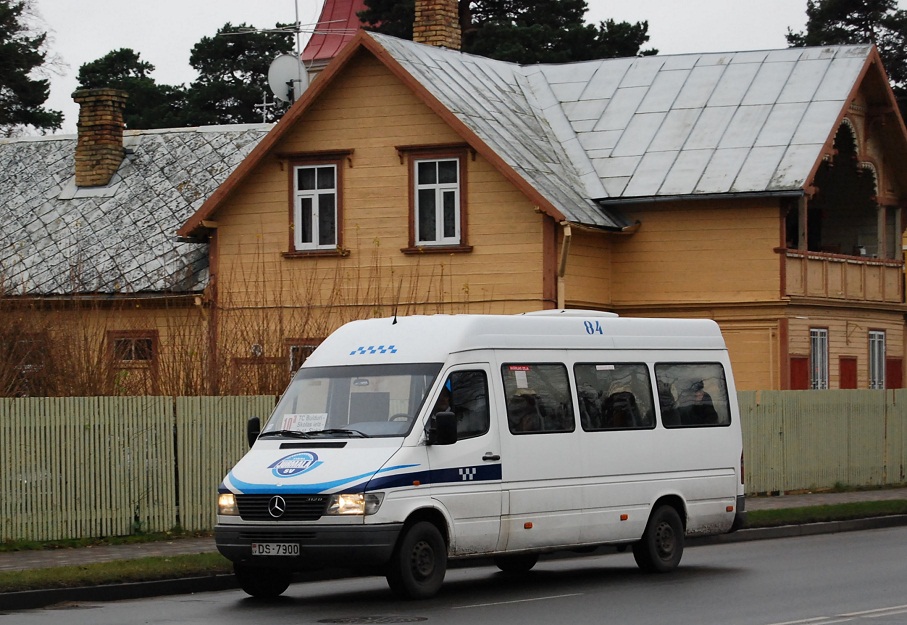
x=422 y=560
x=664 y=541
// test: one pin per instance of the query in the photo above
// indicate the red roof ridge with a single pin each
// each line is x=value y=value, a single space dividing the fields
x=337 y=25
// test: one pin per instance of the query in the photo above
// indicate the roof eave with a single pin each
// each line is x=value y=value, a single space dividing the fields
x=651 y=199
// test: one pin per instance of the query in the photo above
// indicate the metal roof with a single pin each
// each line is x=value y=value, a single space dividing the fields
x=59 y=239
x=590 y=134
x=337 y=25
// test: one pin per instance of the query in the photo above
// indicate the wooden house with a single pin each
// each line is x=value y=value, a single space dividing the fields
x=761 y=189
x=97 y=294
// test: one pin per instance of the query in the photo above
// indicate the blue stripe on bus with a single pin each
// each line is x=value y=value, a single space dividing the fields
x=372 y=481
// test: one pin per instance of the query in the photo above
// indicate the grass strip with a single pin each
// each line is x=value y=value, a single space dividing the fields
x=116 y=572
x=821 y=514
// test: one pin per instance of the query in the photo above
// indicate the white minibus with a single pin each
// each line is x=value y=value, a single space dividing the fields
x=407 y=441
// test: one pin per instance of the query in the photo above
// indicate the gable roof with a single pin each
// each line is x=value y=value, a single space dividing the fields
x=578 y=138
x=60 y=239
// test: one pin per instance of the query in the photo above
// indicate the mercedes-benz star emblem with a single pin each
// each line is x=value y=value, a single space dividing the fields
x=277 y=506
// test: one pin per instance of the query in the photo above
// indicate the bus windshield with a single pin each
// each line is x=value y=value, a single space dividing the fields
x=352 y=401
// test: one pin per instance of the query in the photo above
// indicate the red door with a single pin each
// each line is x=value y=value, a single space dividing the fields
x=848 y=365
x=799 y=373
x=894 y=373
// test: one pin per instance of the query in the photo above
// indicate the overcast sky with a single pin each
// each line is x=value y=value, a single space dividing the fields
x=164 y=31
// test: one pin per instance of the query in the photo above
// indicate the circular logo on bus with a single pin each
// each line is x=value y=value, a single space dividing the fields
x=277 y=506
x=295 y=464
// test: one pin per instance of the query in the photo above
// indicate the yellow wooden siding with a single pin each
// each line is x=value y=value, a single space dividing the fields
x=77 y=339
x=847 y=337
x=753 y=349
x=370 y=112
x=699 y=252
x=588 y=272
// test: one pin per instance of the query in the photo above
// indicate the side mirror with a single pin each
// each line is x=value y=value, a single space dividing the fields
x=442 y=429
x=253 y=429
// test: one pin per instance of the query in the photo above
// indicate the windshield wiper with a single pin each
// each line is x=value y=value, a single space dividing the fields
x=339 y=431
x=287 y=433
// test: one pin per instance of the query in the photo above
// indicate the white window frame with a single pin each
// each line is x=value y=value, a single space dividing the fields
x=314 y=196
x=877 y=359
x=442 y=191
x=818 y=358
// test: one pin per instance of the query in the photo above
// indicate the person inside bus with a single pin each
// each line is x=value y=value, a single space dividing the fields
x=443 y=402
x=696 y=407
x=669 y=415
x=523 y=411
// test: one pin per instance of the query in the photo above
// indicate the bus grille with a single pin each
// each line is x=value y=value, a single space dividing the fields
x=297 y=508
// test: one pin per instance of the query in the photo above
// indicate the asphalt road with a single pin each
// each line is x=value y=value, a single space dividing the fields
x=855 y=577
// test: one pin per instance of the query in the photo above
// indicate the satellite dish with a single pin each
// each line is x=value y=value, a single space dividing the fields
x=287 y=77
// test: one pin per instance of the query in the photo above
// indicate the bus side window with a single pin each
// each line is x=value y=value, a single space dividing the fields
x=538 y=398
x=614 y=396
x=692 y=394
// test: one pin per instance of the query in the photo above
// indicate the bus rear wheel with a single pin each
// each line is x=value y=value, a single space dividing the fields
x=419 y=563
x=661 y=546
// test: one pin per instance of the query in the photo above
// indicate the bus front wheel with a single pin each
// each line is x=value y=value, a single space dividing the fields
x=262 y=583
x=661 y=546
x=417 y=568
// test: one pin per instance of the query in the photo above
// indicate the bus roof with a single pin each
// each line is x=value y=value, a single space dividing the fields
x=431 y=338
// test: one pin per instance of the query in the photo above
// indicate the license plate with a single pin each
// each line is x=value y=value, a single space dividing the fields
x=275 y=549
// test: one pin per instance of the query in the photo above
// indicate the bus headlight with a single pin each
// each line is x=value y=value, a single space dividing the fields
x=354 y=503
x=226 y=504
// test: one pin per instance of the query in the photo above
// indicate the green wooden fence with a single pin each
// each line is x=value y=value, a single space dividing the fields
x=109 y=466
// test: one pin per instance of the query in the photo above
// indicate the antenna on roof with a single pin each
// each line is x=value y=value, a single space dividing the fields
x=287 y=76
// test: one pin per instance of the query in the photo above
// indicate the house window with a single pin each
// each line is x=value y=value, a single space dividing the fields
x=137 y=349
x=133 y=362
x=315 y=207
x=818 y=358
x=876 y=359
x=27 y=369
x=437 y=195
x=298 y=352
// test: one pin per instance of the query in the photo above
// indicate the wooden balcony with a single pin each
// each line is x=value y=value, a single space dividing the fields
x=835 y=276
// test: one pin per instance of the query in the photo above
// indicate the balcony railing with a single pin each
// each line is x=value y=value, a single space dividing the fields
x=835 y=276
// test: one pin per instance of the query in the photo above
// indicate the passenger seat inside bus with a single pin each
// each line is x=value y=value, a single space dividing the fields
x=621 y=411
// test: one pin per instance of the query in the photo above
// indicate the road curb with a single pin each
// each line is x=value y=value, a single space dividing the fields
x=34 y=599
x=806 y=529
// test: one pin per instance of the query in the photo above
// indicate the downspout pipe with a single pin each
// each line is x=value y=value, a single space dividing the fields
x=562 y=265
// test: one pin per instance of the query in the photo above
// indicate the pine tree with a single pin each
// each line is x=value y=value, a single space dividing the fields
x=233 y=78
x=879 y=22
x=233 y=73
x=149 y=105
x=22 y=54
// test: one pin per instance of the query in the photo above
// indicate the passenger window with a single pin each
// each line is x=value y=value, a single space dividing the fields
x=692 y=394
x=466 y=395
x=538 y=398
x=614 y=396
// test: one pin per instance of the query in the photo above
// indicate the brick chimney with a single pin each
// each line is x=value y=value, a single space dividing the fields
x=99 y=151
x=437 y=23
